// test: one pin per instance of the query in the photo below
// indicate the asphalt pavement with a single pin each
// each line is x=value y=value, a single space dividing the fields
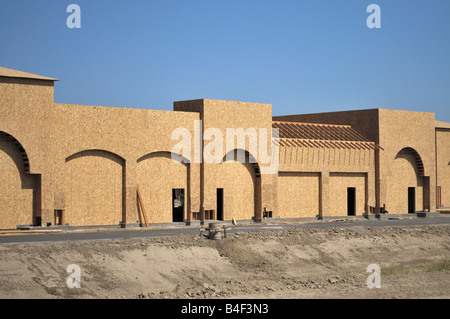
x=51 y=236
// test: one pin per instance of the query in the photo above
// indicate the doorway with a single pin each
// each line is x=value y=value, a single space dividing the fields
x=178 y=204
x=351 y=201
x=411 y=200
x=220 y=204
x=59 y=217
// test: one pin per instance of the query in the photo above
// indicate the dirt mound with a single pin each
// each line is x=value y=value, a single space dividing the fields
x=294 y=263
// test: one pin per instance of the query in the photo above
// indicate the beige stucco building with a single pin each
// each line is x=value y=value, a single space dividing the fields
x=85 y=165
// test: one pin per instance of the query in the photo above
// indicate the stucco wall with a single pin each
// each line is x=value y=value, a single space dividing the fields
x=222 y=116
x=298 y=195
x=132 y=135
x=339 y=183
x=88 y=161
x=404 y=175
x=238 y=183
x=16 y=188
x=443 y=164
x=413 y=130
x=93 y=189
x=157 y=175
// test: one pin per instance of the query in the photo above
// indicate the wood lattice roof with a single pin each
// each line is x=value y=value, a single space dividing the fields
x=321 y=135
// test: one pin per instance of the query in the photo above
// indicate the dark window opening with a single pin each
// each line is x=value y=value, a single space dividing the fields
x=220 y=204
x=178 y=204
x=411 y=200
x=351 y=201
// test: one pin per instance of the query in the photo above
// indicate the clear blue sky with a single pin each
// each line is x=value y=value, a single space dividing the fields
x=301 y=56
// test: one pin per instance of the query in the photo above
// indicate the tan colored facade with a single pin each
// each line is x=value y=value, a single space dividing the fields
x=414 y=154
x=443 y=164
x=82 y=165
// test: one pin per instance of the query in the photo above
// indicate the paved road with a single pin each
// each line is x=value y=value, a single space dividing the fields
x=117 y=234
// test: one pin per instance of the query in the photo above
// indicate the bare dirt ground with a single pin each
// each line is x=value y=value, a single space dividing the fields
x=295 y=263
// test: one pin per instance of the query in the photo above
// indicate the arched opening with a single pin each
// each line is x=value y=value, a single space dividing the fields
x=412 y=153
x=164 y=178
x=238 y=185
x=407 y=186
x=19 y=190
x=94 y=188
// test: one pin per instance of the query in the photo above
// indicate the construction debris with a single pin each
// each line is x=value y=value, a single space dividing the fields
x=215 y=231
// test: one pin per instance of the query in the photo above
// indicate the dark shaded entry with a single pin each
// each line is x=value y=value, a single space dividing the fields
x=178 y=204
x=220 y=204
x=351 y=201
x=411 y=200
x=59 y=217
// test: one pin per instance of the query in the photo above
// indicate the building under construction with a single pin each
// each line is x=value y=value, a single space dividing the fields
x=79 y=165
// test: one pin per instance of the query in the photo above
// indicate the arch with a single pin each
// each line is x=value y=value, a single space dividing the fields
x=159 y=173
x=418 y=159
x=241 y=184
x=407 y=189
x=19 y=190
x=251 y=159
x=96 y=152
x=95 y=188
x=181 y=159
x=20 y=148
